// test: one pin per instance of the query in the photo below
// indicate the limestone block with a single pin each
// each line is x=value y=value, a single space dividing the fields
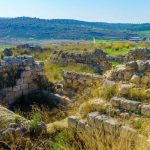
x=81 y=125
x=125 y=115
x=130 y=105
x=135 y=79
x=124 y=89
x=91 y=118
x=125 y=104
x=99 y=121
x=145 y=110
x=98 y=104
x=109 y=84
x=111 y=126
x=72 y=122
x=116 y=102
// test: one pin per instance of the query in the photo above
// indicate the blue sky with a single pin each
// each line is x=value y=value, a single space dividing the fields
x=133 y=11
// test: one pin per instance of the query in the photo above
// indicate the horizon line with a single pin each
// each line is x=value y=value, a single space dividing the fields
x=74 y=20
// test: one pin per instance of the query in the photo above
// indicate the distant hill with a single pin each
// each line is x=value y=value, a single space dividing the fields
x=34 y=28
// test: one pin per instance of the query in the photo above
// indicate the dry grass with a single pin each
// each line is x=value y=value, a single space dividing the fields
x=98 y=140
x=108 y=91
x=88 y=107
x=139 y=94
x=57 y=125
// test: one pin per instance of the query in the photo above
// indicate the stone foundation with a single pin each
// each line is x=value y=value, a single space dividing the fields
x=138 y=54
x=137 y=72
x=18 y=77
x=96 y=59
x=79 y=81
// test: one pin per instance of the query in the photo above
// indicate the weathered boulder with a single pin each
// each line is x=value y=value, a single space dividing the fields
x=91 y=118
x=124 y=89
x=125 y=104
x=81 y=125
x=73 y=122
x=7 y=118
x=135 y=79
x=145 y=110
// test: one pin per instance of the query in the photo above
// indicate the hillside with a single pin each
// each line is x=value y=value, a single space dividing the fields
x=34 y=28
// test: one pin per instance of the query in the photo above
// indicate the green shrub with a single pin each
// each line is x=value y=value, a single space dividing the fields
x=35 y=120
x=64 y=140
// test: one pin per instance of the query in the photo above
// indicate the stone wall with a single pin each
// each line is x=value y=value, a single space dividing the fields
x=79 y=81
x=96 y=59
x=101 y=125
x=118 y=59
x=138 y=54
x=137 y=72
x=18 y=77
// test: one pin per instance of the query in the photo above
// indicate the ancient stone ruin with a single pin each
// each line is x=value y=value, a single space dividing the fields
x=124 y=93
x=138 y=54
x=96 y=59
x=18 y=77
x=129 y=85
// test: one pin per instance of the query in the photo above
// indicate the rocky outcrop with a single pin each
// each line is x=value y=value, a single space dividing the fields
x=14 y=126
x=18 y=76
x=8 y=117
x=96 y=59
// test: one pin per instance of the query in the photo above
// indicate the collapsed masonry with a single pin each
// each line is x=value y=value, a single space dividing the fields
x=137 y=72
x=106 y=127
x=96 y=59
x=18 y=77
x=131 y=83
x=79 y=81
x=138 y=54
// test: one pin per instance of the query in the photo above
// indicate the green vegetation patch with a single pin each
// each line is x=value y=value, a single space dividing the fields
x=53 y=71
